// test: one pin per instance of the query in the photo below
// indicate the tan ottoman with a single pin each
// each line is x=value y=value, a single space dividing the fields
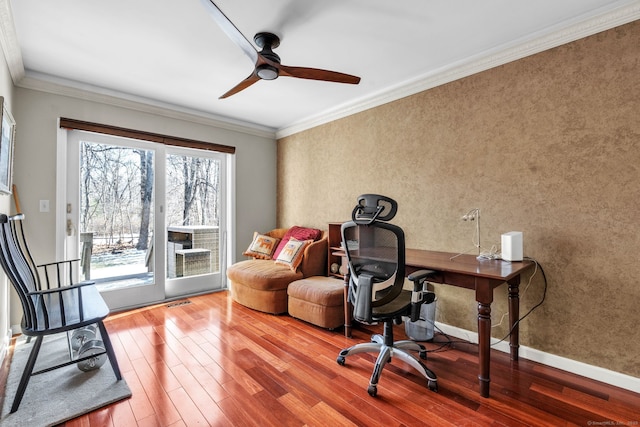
x=261 y=284
x=318 y=300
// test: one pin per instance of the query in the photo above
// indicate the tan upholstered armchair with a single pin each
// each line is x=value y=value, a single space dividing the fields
x=261 y=284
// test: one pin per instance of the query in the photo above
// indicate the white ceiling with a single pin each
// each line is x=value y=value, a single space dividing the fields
x=171 y=54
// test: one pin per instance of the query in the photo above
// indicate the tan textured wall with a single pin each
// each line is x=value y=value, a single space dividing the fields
x=548 y=145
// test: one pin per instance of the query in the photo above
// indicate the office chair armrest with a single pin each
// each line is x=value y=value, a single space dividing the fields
x=360 y=296
x=420 y=275
x=417 y=295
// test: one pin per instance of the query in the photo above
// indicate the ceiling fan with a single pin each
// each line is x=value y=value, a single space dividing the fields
x=267 y=62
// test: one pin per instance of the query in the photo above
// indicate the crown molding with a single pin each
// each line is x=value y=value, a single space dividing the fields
x=54 y=85
x=9 y=42
x=563 y=33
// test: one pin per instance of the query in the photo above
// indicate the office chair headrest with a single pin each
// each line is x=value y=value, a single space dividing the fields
x=374 y=207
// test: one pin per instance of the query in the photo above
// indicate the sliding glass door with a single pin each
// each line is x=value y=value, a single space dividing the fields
x=146 y=220
x=194 y=237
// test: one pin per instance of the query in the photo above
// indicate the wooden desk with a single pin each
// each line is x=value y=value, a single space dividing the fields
x=483 y=276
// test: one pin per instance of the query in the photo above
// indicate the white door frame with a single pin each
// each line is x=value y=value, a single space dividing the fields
x=154 y=293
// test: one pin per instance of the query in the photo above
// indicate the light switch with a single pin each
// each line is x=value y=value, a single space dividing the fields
x=44 y=206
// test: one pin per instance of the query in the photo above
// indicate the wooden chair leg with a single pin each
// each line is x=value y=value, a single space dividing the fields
x=26 y=374
x=109 y=348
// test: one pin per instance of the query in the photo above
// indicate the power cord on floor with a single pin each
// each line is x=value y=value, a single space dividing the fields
x=444 y=345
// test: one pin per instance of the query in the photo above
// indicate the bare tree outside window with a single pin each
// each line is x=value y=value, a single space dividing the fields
x=114 y=187
x=192 y=190
x=146 y=197
x=117 y=208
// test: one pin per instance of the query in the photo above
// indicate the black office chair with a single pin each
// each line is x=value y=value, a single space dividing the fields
x=376 y=255
x=53 y=306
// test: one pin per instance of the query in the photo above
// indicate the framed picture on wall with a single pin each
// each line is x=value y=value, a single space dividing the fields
x=8 y=130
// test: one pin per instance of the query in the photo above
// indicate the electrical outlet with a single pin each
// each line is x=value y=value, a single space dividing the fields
x=44 y=206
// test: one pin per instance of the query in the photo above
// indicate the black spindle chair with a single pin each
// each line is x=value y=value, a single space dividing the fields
x=54 y=306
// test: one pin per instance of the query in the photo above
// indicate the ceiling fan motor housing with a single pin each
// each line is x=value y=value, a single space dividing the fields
x=267 y=42
x=264 y=39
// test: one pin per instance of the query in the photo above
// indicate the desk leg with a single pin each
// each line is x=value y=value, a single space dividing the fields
x=348 y=310
x=514 y=315
x=484 y=346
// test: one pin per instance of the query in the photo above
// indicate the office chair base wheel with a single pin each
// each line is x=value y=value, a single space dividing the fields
x=372 y=390
x=340 y=360
x=433 y=386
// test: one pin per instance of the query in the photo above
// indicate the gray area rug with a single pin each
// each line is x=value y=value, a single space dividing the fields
x=59 y=395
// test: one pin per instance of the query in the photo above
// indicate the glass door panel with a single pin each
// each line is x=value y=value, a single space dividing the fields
x=116 y=219
x=112 y=216
x=193 y=201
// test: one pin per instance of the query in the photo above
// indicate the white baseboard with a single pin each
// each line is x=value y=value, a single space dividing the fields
x=597 y=373
x=5 y=346
x=15 y=329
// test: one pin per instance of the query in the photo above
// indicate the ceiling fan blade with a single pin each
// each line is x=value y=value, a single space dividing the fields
x=317 y=74
x=231 y=30
x=242 y=85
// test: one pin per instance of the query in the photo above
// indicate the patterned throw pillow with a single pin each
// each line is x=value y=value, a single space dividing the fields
x=298 y=233
x=262 y=246
x=292 y=253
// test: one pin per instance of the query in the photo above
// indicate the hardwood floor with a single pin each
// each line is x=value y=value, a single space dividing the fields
x=214 y=362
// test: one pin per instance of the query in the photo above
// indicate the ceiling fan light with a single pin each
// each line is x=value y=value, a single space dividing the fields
x=267 y=72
